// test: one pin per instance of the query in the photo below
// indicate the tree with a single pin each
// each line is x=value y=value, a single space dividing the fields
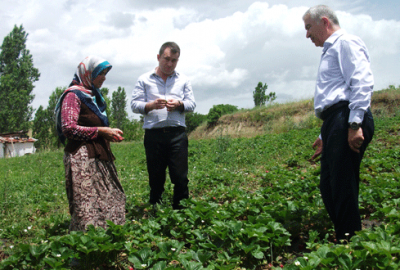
x=44 y=126
x=104 y=92
x=133 y=130
x=259 y=95
x=217 y=111
x=271 y=96
x=53 y=99
x=193 y=120
x=40 y=130
x=118 y=112
x=17 y=75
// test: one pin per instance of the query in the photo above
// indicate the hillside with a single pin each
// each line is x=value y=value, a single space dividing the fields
x=278 y=118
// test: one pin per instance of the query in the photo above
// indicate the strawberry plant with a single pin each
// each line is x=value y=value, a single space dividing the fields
x=254 y=203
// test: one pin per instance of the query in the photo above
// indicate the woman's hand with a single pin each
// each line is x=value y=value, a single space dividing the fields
x=111 y=134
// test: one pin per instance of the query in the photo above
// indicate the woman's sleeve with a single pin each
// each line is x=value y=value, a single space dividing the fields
x=71 y=107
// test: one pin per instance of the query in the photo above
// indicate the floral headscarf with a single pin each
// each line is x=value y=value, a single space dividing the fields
x=86 y=72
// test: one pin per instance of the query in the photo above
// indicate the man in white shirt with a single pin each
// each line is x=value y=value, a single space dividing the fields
x=342 y=100
x=163 y=96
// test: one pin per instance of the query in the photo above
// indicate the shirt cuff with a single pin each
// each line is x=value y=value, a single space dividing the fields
x=356 y=116
x=141 y=107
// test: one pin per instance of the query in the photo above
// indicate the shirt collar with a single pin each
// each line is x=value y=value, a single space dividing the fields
x=173 y=74
x=332 y=39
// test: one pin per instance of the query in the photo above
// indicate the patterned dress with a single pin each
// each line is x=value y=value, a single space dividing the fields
x=93 y=189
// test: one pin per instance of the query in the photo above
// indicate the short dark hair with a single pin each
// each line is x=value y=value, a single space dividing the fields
x=172 y=45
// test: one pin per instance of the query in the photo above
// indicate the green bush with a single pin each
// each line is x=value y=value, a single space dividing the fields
x=217 y=111
x=193 y=120
x=133 y=130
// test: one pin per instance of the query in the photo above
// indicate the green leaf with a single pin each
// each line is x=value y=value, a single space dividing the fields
x=141 y=258
x=189 y=265
x=53 y=262
x=37 y=251
x=257 y=254
x=202 y=256
x=161 y=265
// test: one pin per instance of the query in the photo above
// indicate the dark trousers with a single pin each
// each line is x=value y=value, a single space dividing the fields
x=167 y=147
x=340 y=171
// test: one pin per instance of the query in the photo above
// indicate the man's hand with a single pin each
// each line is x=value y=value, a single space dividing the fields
x=172 y=105
x=355 y=139
x=317 y=144
x=157 y=104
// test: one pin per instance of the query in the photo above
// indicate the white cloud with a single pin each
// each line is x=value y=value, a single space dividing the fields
x=382 y=38
x=218 y=77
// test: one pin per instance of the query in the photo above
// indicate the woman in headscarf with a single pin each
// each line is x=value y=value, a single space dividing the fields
x=93 y=189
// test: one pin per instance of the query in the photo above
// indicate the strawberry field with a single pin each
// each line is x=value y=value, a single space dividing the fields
x=254 y=204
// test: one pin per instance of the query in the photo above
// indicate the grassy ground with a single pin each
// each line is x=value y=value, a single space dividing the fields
x=254 y=204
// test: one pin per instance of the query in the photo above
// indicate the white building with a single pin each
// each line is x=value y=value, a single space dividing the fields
x=16 y=145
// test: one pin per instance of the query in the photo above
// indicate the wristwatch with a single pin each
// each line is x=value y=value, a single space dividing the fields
x=354 y=125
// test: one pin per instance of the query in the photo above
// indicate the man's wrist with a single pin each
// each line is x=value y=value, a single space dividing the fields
x=149 y=106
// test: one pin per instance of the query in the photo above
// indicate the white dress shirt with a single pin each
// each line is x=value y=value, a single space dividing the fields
x=344 y=75
x=150 y=86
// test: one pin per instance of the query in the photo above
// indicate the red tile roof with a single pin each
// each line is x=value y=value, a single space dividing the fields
x=16 y=140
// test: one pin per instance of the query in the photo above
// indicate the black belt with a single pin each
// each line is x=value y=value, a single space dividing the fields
x=325 y=113
x=167 y=129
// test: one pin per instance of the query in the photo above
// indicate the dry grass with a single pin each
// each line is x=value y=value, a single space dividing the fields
x=275 y=118
x=278 y=118
x=386 y=102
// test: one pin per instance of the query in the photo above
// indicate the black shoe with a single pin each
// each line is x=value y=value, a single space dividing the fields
x=178 y=207
x=74 y=263
x=154 y=209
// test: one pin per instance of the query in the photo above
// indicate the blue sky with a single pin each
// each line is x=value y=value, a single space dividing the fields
x=227 y=46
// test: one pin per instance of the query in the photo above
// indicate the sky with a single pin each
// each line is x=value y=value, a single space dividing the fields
x=227 y=47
